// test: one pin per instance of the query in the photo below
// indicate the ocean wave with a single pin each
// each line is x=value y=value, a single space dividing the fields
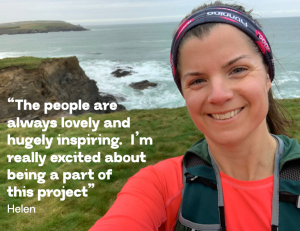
x=165 y=95
x=294 y=93
x=288 y=84
x=294 y=72
x=289 y=76
x=54 y=49
x=12 y=54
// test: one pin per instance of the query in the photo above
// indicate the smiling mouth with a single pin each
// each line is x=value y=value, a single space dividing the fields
x=227 y=115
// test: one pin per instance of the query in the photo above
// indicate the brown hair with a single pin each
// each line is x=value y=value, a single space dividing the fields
x=276 y=119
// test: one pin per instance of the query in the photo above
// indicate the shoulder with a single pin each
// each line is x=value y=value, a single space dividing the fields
x=163 y=178
x=150 y=199
x=170 y=171
x=164 y=171
x=172 y=164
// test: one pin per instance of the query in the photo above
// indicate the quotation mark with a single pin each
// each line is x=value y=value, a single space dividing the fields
x=91 y=185
x=11 y=100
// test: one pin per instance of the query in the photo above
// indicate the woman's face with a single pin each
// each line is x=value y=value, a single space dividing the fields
x=225 y=85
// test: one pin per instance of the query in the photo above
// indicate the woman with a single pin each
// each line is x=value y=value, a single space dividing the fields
x=240 y=177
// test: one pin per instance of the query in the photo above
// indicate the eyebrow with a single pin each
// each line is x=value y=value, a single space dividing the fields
x=192 y=73
x=234 y=60
x=196 y=73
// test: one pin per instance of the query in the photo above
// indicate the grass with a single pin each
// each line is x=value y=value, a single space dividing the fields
x=81 y=213
x=27 y=62
x=172 y=132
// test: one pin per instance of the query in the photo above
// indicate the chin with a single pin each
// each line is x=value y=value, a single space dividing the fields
x=226 y=139
x=235 y=136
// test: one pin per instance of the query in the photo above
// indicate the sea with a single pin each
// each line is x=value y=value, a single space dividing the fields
x=145 y=50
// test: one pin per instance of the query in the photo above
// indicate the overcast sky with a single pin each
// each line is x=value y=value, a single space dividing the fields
x=93 y=12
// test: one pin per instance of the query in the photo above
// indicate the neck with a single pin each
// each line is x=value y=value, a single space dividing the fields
x=250 y=159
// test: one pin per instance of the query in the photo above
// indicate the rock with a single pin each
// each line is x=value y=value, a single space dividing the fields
x=7 y=119
x=120 y=108
x=31 y=117
x=111 y=98
x=120 y=98
x=28 y=117
x=107 y=97
x=142 y=85
x=121 y=73
x=56 y=80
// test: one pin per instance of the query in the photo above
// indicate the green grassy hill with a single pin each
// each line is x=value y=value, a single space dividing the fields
x=29 y=27
x=27 y=62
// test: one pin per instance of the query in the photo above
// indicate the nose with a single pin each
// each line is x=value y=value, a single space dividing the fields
x=220 y=91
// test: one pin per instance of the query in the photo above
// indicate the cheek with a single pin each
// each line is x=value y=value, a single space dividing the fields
x=257 y=96
x=194 y=103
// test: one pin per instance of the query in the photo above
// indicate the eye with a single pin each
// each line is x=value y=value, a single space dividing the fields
x=197 y=81
x=238 y=70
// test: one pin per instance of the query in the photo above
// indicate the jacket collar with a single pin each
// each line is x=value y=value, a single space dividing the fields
x=291 y=150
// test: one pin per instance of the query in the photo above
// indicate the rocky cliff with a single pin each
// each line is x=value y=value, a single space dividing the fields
x=55 y=80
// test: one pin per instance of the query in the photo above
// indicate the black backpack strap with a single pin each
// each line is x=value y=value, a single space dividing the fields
x=199 y=179
x=192 y=160
x=295 y=199
x=290 y=171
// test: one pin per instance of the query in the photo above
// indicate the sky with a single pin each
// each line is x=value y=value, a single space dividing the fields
x=97 y=12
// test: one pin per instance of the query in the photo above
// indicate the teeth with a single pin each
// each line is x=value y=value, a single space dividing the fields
x=232 y=114
x=227 y=115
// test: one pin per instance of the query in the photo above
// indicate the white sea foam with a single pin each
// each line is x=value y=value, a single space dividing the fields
x=165 y=95
x=54 y=49
x=12 y=54
x=289 y=85
x=165 y=51
x=295 y=72
x=289 y=76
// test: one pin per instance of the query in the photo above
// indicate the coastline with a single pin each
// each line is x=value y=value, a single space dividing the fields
x=102 y=50
x=53 y=80
x=34 y=27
